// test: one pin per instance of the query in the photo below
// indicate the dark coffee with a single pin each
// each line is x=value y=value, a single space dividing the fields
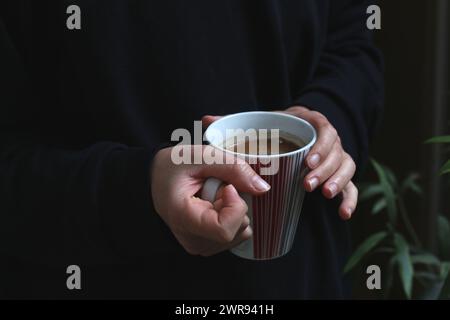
x=265 y=146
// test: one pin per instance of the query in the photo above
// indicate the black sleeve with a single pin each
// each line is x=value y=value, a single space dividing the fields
x=57 y=205
x=348 y=84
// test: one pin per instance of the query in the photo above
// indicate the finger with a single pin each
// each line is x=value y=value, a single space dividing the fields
x=245 y=223
x=239 y=174
x=339 y=180
x=326 y=135
x=242 y=236
x=207 y=120
x=219 y=193
x=296 y=110
x=349 y=201
x=233 y=214
x=219 y=226
x=218 y=205
x=321 y=174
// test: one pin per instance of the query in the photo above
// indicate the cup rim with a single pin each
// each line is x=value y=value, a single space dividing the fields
x=279 y=114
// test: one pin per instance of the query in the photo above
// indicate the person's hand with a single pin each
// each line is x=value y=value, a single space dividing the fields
x=203 y=228
x=331 y=167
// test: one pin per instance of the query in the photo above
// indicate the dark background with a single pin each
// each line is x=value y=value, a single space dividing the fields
x=414 y=39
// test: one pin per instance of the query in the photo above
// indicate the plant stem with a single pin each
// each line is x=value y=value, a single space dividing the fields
x=408 y=224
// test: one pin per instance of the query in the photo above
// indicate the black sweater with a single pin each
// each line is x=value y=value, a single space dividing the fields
x=82 y=113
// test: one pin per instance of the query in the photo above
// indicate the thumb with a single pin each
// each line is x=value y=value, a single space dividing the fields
x=220 y=226
x=232 y=204
x=229 y=197
x=239 y=174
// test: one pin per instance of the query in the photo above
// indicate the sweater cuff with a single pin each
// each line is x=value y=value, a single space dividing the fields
x=134 y=227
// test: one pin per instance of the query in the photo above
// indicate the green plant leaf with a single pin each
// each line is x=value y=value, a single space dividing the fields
x=445 y=269
x=411 y=183
x=370 y=191
x=427 y=276
x=364 y=248
x=445 y=291
x=443 y=234
x=390 y=176
x=445 y=168
x=388 y=191
x=379 y=205
x=440 y=139
x=405 y=266
x=425 y=258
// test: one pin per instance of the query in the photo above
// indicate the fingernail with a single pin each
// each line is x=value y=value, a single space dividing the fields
x=313 y=183
x=333 y=187
x=260 y=184
x=314 y=160
x=230 y=187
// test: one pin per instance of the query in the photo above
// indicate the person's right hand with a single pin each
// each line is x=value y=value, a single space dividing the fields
x=201 y=227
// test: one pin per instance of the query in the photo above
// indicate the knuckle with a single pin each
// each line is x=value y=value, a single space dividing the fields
x=332 y=130
x=353 y=164
x=321 y=124
x=320 y=118
x=246 y=222
x=296 y=109
x=244 y=208
x=350 y=162
x=225 y=236
x=324 y=125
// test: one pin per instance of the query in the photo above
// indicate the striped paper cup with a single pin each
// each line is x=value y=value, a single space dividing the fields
x=275 y=215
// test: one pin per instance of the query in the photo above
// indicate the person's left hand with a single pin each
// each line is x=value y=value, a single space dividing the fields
x=331 y=167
